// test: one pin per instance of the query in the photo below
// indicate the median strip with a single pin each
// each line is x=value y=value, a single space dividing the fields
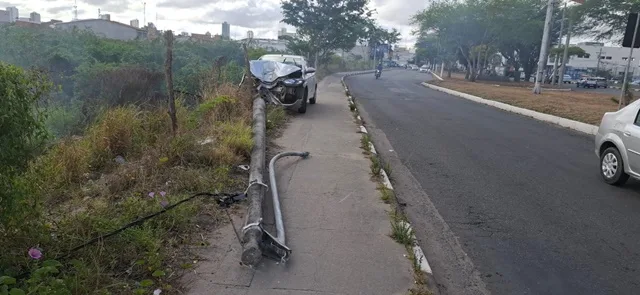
x=571 y=124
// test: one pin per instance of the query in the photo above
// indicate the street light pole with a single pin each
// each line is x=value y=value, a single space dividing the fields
x=554 y=78
x=626 y=71
x=537 y=89
x=565 y=55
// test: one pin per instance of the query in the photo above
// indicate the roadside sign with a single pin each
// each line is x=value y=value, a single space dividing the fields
x=628 y=33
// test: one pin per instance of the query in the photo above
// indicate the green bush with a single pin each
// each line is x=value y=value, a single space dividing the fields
x=23 y=132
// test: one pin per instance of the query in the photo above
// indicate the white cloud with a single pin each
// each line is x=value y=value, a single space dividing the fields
x=200 y=16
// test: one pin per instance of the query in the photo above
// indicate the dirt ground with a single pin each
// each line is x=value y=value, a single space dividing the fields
x=585 y=107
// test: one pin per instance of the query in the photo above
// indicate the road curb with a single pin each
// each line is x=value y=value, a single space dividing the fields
x=567 y=123
x=418 y=254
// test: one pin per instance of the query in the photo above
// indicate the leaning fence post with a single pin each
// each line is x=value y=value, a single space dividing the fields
x=168 y=36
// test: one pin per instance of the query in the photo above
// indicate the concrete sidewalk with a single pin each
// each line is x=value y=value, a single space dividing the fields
x=335 y=222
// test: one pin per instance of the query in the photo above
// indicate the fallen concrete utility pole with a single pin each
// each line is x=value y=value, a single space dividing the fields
x=252 y=231
x=257 y=242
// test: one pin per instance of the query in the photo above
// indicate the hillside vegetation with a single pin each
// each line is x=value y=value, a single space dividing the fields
x=87 y=147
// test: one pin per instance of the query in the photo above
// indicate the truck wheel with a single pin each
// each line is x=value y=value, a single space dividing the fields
x=303 y=104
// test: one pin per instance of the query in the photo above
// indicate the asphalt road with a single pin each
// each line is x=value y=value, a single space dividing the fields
x=523 y=197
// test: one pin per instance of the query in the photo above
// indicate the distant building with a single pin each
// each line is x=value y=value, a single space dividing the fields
x=105 y=28
x=226 y=30
x=249 y=34
x=283 y=33
x=105 y=16
x=50 y=23
x=268 y=44
x=13 y=14
x=135 y=23
x=4 y=17
x=34 y=17
x=152 y=31
x=598 y=56
x=26 y=23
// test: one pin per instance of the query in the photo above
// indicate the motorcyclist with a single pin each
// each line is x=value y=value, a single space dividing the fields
x=379 y=68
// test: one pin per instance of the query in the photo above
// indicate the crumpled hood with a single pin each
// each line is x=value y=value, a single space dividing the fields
x=268 y=71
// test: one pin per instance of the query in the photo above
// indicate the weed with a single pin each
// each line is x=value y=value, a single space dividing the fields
x=401 y=232
x=376 y=166
x=386 y=194
x=365 y=142
x=387 y=169
x=235 y=138
x=276 y=116
x=420 y=290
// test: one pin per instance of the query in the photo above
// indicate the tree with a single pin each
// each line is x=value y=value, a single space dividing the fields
x=462 y=26
x=475 y=30
x=610 y=16
x=376 y=35
x=327 y=25
x=23 y=129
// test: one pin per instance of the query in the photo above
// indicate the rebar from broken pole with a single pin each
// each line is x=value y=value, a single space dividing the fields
x=280 y=235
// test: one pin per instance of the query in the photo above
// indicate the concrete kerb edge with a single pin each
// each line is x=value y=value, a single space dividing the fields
x=417 y=251
x=567 y=123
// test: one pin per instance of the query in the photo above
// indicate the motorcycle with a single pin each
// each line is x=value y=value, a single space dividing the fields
x=279 y=83
x=378 y=73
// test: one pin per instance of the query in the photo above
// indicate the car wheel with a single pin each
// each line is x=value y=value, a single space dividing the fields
x=315 y=94
x=612 y=167
x=303 y=104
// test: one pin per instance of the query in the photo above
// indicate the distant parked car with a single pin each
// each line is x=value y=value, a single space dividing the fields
x=617 y=144
x=424 y=69
x=566 y=79
x=593 y=82
x=414 y=67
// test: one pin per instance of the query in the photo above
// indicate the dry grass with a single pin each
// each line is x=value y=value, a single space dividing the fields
x=587 y=107
x=87 y=186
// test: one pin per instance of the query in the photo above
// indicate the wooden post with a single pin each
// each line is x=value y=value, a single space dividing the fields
x=168 y=61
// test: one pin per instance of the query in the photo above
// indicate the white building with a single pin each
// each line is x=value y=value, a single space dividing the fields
x=34 y=17
x=13 y=14
x=105 y=28
x=283 y=32
x=613 y=59
x=135 y=23
x=4 y=16
x=226 y=30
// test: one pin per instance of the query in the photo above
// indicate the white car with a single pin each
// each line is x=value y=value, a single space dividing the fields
x=298 y=80
x=414 y=67
x=424 y=69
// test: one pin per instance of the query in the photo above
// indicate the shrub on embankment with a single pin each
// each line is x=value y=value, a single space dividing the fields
x=125 y=165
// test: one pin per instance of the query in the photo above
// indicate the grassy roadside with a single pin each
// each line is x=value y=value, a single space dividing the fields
x=401 y=231
x=587 y=107
x=126 y=165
